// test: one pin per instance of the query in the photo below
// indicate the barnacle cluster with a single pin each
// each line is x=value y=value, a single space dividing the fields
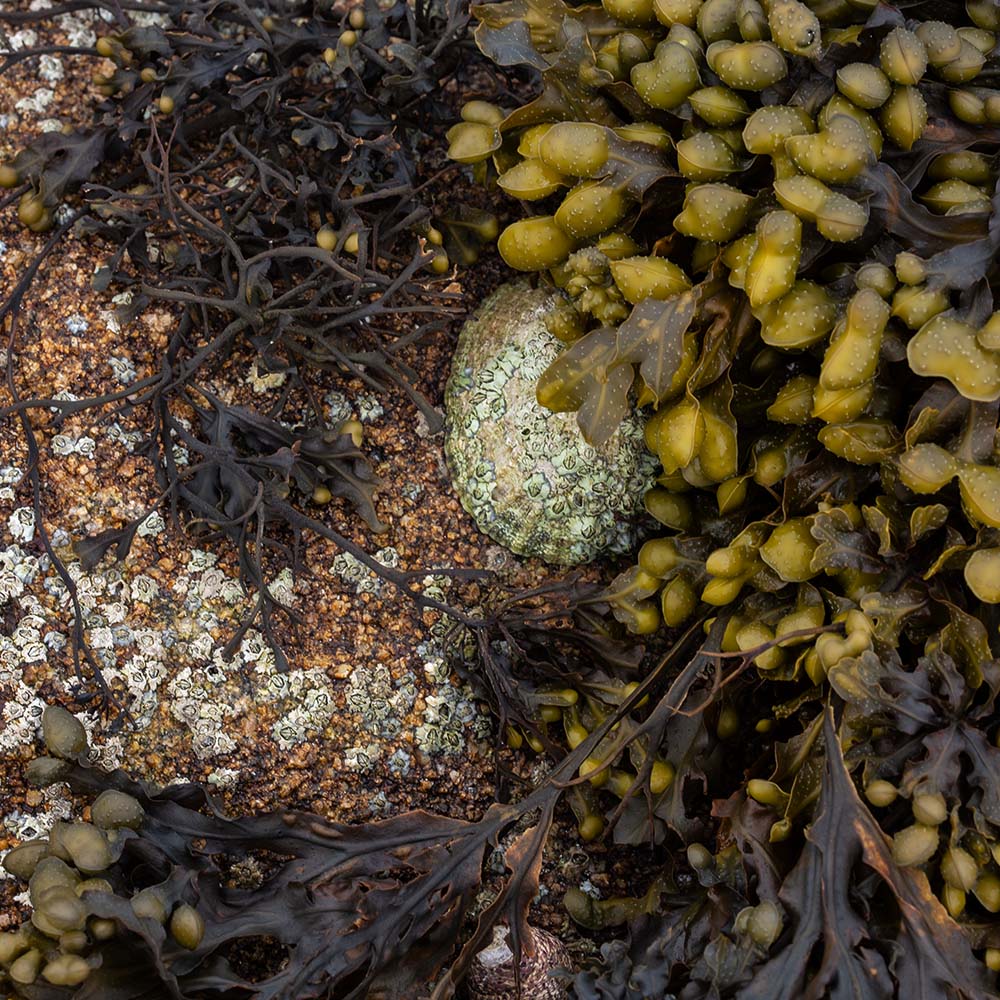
x=314 y=109
x=770 y=226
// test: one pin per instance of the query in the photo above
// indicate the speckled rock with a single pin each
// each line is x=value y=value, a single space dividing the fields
x=525 y=474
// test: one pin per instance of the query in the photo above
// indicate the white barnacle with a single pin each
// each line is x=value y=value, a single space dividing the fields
x=25 y=39
x=34 y=652
x=122 y=369
x=21 y=524
x=10 y=586
x=143 y=589
x=101 y=638
x=252 y=646
x=54 y=640
x=152 y=525
x=200 y=560
x=369 y=408
x=25 y=633
x=283 y=586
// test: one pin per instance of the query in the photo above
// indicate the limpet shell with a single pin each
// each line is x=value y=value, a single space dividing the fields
x=524 y=473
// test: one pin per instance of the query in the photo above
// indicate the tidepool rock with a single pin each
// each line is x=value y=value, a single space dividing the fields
x=524 y=473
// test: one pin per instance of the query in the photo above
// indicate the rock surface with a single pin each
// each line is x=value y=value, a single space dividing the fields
x=524 y=473
x=371 y=720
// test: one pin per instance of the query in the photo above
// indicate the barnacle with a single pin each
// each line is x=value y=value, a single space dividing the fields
x=492 y=976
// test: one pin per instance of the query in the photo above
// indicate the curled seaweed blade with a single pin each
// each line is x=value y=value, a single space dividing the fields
x=930 y=957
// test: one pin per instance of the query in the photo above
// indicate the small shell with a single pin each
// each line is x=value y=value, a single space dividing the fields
x=524 y=473
x=491 y=976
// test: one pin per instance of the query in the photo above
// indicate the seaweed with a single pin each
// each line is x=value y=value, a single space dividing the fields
x=346 y=910
x=788 y=702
